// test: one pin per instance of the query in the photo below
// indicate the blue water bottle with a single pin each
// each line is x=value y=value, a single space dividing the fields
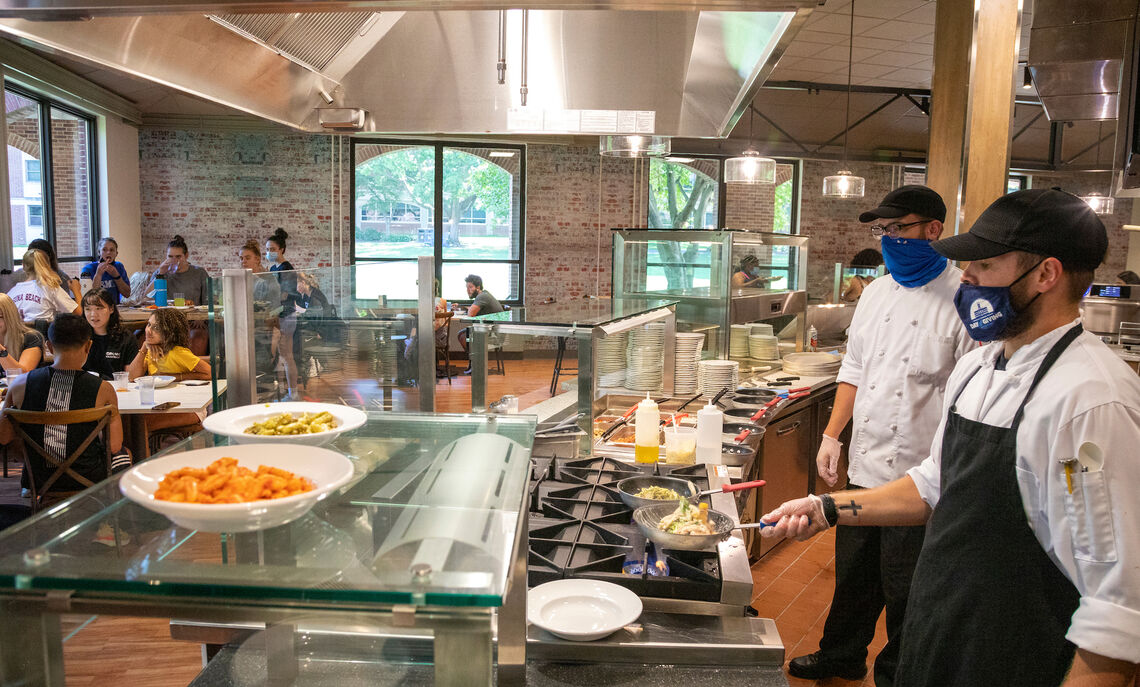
x=160 y=292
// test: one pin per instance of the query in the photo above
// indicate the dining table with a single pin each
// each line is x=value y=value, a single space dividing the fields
x=140 y=315
x=195 y=396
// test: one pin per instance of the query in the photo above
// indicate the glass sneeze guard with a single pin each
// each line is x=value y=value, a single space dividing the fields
x=442 y=491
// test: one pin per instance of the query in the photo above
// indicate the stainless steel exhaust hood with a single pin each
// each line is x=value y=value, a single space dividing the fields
x=673 y=73
x=1076 y=53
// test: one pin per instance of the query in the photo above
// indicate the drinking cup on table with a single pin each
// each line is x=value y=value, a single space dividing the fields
x=179 y=299
x=11 y=376
x=146 y=390
x=85 y=284
x=120 y=380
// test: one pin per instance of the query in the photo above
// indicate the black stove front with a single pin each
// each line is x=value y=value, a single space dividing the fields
x=579 y=528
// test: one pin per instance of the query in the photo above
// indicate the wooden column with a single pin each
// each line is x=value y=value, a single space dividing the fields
x=972 y=105
x=949 y=95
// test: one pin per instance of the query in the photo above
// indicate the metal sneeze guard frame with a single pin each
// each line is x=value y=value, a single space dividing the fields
x=49 y=567
x=586 y=336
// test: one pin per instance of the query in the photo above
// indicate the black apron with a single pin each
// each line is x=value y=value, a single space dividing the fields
x=987 y=605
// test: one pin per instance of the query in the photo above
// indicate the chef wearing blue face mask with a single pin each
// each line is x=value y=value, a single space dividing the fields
x=904 y=339
x=1030 y=573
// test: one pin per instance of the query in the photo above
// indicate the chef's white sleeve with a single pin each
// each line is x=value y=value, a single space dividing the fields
x=851 y=371
x=1095 y=529
x=927 y=475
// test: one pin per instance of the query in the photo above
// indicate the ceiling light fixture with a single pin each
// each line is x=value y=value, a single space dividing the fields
x=1027 y=80
x=845 y=184
x=1101 y=204
x=750 y=167
x=634 y=146
x=502 y=153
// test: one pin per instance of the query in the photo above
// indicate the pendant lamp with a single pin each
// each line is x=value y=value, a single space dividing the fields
x=845 y=184
x=634 y=146
x=750 y=167
x=1101 y=204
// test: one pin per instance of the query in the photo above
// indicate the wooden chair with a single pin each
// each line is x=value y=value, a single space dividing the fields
x=42 y=492
x=443 y=344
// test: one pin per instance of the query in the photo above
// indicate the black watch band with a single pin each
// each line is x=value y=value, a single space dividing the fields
x=830 y=512
x=4 y=353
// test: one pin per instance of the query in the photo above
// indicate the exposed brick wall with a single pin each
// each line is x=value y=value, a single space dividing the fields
x=219 y=189
x=1081 y=184
x=70 y=186
x=752 y=206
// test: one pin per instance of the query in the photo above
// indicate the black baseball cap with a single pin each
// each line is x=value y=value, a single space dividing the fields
x=920 y=200
x=1045 y=221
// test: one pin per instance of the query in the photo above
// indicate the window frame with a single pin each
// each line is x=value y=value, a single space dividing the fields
x=436 y=218
x=47 y=182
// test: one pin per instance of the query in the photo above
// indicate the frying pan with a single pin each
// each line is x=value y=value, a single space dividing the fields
x=748 y=392
x=647 y=518
x=629 y=487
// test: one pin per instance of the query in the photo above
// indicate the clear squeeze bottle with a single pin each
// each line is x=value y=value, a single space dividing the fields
x=647 y=434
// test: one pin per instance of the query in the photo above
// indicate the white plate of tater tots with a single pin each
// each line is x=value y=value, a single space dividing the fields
x=294 y=422
x=237 y=488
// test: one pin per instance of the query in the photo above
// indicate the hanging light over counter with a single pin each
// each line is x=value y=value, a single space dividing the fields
x=750 y=168
x=1101 y=205
x=845 y=184
x=634 y=146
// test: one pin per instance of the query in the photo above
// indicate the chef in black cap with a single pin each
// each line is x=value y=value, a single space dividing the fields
x=1030 y=572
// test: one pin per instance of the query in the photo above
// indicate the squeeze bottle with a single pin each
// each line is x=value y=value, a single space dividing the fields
x=647 y=432
x=710 y=424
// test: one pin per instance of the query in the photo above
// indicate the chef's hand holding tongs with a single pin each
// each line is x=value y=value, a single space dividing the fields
x=801 y=519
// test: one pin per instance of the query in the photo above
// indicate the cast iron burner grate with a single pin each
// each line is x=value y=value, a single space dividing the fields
x=579 y=528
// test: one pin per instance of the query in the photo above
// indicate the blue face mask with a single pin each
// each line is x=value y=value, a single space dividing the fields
x=912 y=262
x=987 y=311
x=271 y=256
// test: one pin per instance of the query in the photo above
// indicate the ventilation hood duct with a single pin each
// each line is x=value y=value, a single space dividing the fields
x=666 y=72
x=1076 y=56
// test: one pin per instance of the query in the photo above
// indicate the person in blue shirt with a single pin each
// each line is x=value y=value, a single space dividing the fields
x=107 y=272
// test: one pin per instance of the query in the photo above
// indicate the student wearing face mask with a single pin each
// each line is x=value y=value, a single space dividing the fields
x=1028 y=576
x=904 y=339
x=290 y=342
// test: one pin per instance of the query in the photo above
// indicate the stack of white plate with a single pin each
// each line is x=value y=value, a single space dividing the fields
x=760 y=328
x=687 y=353
x=645 y=358
x=812 y=364
x=738 y=340
x=763 y=347
x=714 y=375
x=610 y=361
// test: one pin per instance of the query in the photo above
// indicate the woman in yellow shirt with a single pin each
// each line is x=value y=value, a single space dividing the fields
x=166 y=349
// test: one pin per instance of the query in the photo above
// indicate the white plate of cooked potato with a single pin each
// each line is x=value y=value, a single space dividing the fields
x=294 y=422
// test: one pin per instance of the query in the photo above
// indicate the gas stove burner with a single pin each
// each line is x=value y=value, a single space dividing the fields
x=579 y=528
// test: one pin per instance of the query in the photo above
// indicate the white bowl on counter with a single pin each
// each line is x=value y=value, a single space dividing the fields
x=327 y=469
x=581 y=610
x=233 y=422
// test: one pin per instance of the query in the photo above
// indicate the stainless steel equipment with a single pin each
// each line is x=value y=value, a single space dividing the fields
x=1107 y=305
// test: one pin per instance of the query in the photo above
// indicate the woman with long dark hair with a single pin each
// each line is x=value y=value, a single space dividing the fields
x=112 y=346
x=289 y=345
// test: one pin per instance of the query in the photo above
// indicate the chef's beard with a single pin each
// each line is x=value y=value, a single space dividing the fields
x=1025 y=317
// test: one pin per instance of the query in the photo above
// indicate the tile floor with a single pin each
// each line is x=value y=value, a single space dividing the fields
x=793 y=585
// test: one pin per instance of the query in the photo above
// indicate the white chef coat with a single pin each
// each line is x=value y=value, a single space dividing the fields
x=902 y=345
x=35 y=303
x=1093 y=534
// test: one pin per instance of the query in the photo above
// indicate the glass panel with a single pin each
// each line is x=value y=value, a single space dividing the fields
x=438 y=488
x=683 y=195
x=482 y=188
x=24 y=171
x=319 y=337
x=782 y=205
x=71 y=184
x=762 y=207
x=395 y=201
x=500 y=279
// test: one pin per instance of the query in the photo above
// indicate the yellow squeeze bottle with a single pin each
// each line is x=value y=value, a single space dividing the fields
x=647 y=433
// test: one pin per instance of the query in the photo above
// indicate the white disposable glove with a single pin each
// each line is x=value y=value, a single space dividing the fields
x=799 y=518
x=827 y=460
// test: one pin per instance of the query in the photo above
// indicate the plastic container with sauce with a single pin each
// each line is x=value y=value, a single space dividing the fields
x=647 y=435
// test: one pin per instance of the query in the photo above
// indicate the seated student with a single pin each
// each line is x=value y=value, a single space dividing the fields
x=182 y=277
x=39 y=296
x=107 y=272
x=65 y=386
x=70 y=284
x=21 y=347
x=112 y=347
x=166 y=349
